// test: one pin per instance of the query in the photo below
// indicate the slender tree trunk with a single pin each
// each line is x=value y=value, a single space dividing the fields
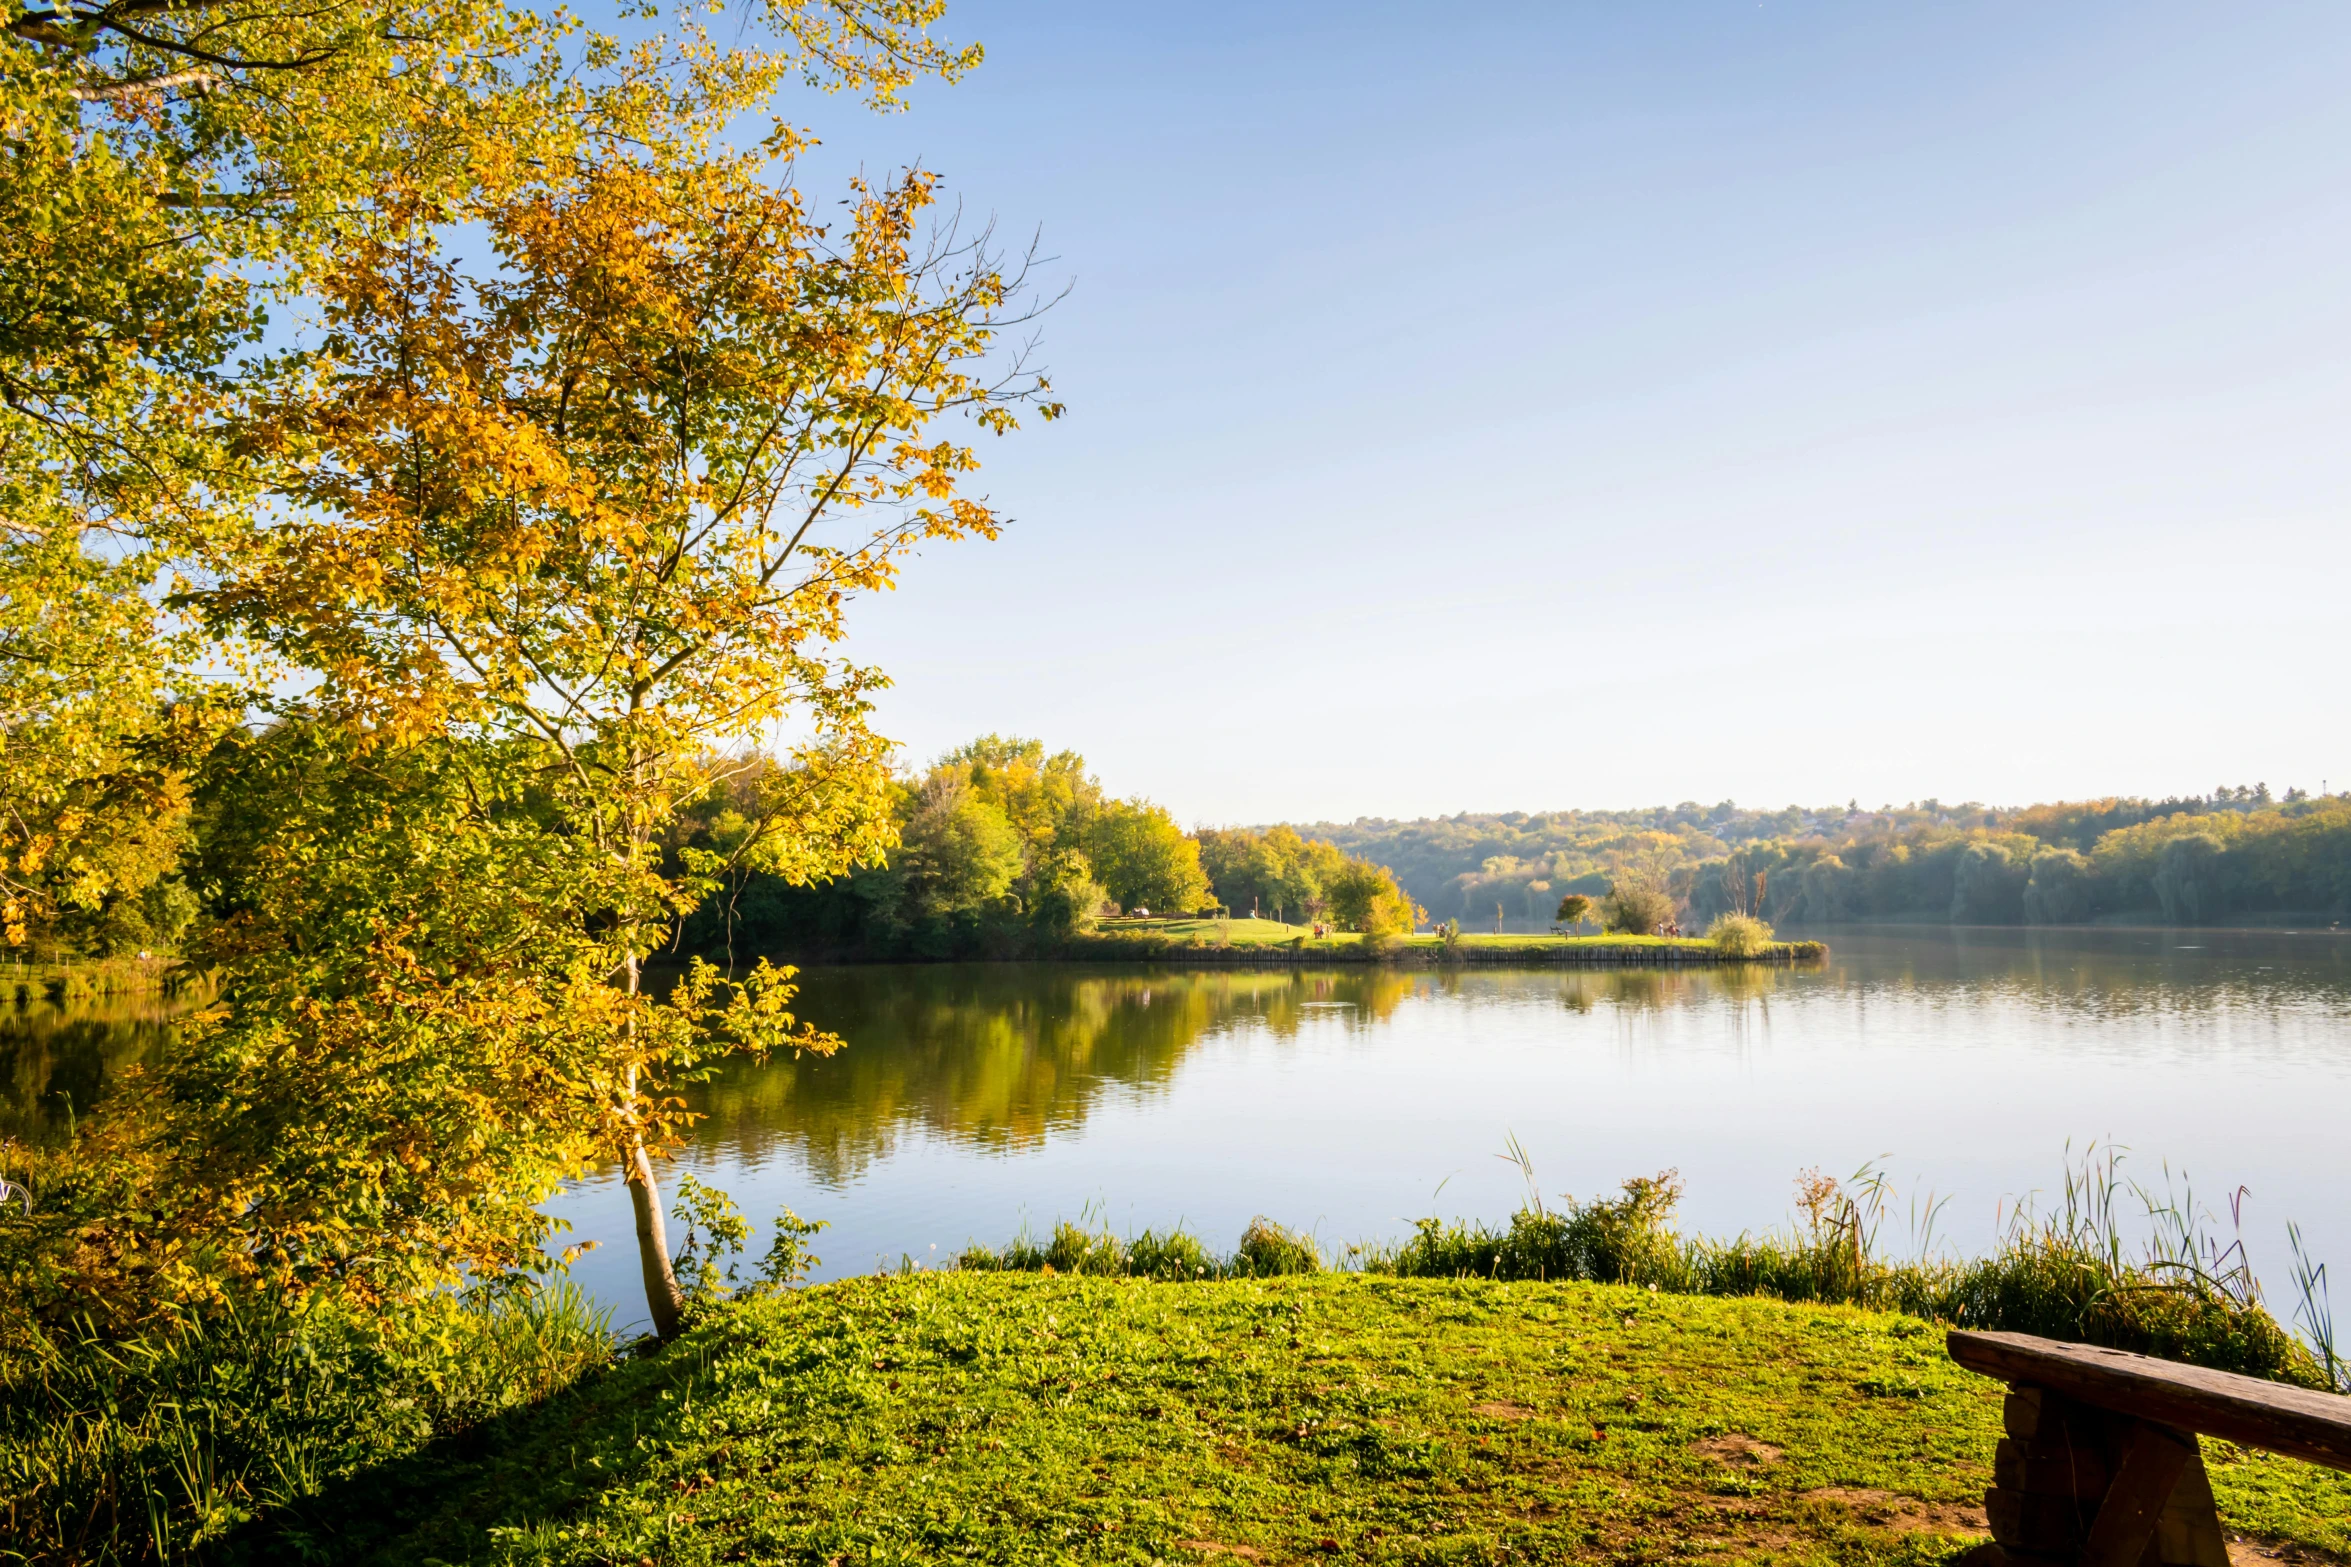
x=663 y=1298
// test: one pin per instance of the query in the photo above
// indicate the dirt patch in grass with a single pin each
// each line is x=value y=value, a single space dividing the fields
x=1737 y=1448
x=1891 y=1510
x=2248 y=1552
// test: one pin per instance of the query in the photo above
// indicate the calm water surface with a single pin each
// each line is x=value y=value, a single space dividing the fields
x=975 y=1099
x=56 y=1063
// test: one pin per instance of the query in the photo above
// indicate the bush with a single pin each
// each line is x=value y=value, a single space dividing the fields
x=1740 y=935
x=1627 y=1239
x=1170 y=1258
x=1074 y=1250
x=1268 y=1249
x=1636 y=908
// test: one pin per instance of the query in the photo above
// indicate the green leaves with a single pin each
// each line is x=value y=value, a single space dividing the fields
x=753 y=1017
x=521 y=559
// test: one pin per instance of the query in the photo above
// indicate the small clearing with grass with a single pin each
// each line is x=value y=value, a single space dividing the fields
x=1027 y=1418
x=1201 y=939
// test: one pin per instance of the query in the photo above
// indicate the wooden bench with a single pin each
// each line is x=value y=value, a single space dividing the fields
x=2100 y=1465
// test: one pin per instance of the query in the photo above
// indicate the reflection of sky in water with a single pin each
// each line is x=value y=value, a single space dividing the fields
x=974 y=1099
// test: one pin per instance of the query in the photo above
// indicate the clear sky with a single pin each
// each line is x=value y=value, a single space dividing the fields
x=1493 y=407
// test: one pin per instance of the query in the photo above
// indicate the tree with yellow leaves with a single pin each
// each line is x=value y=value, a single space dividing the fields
x=171 y=172
x=602 y=507
x=511 y=561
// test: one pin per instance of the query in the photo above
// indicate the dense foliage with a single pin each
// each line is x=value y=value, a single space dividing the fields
x=2234 y=856
x=370 y=651
x=1002 y=849
x=432 y=441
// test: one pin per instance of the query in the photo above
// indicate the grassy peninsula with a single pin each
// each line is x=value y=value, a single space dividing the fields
x=1024 y=1417
x=1198 y=939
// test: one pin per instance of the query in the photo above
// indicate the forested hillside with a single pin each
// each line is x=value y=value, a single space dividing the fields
x=2237 y=854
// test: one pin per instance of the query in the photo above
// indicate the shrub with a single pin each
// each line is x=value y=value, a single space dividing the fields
x=1624 y=1240
x=1170 y=1258
x=1075 y=1250
x=1267 y=1249
x=1740 y=935
x=1636 y=908
x=1627 y=1239
x=788 y=1257
x=2067 y=1276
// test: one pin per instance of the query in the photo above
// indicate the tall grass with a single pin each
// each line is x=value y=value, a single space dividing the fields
x=1176 y=1256
x=142 y=1450
x=2071 y=1273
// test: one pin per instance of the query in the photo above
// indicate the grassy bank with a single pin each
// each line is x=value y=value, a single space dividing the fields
x=1023 y=1418
x=1209 y=940
x=159 y=1446
x=2067 y=1274
x=1581 y=1383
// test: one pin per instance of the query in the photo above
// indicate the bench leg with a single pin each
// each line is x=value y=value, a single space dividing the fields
x=2076 y=1486
x=2153 y=1460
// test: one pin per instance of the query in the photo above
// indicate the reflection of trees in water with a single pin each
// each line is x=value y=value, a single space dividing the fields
x=2101 y=974
x=2087 y=973
x=56 y=1062
x=1634 y=990
x=998 y=1056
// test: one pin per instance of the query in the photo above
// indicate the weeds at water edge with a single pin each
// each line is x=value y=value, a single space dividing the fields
x=2073 y=1273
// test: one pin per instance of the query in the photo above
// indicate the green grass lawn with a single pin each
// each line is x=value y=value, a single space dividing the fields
x=1489 y=939
x=1244 y=932
x=1261 y=933
x=1025 y=1418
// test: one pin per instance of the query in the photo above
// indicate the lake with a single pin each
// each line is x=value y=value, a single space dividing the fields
x=976 y=1099
x=973 y=1100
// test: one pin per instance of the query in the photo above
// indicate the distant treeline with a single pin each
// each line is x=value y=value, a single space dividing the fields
x=2235 y=855
x=1005 y=850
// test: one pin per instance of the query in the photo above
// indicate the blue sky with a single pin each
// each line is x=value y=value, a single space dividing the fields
x=1520 y=407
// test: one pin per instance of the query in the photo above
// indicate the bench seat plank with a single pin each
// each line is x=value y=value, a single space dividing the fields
x=2246 y=1410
